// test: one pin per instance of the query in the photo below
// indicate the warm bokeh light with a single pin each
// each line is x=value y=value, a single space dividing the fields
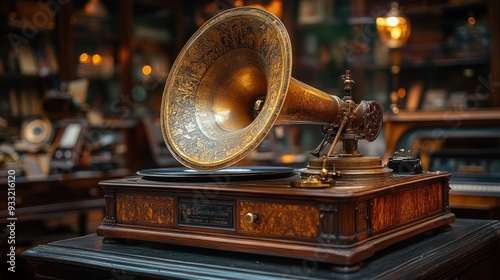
x=471 y=20
x=96 y=59
x=287 y=158
x=395 y=69
x=146 y=70
x=84 y=58
x=394 y=109
x=392 y=21
x=273 y=6
x=401 y=93
x=394 y=31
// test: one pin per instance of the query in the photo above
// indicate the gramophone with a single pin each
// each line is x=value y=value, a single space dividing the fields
x=228 y=87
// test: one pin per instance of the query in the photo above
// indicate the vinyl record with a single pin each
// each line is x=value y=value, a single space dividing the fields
x=231 y=174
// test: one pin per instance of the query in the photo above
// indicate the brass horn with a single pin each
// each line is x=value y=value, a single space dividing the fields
x=231 y=83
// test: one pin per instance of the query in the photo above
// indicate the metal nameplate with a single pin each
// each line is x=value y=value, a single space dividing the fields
x=215 y=214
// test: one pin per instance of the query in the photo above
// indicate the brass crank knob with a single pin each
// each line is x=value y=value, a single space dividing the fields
x=251 y=218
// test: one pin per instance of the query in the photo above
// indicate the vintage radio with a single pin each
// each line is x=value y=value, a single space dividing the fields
x=228 y=87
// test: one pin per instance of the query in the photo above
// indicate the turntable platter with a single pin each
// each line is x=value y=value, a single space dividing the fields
x=230 y=174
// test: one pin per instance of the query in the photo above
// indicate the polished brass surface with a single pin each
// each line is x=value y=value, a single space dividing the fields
x=251 y=218
x=231 y=83
x=312 y=181
x=348 y=168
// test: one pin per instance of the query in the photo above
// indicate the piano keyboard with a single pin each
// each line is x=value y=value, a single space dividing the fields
x=482 y=188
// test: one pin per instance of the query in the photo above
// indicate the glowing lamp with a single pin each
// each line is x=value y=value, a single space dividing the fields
x=393 y=28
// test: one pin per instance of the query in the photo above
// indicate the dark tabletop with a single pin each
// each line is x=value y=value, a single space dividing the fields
x=436 y=254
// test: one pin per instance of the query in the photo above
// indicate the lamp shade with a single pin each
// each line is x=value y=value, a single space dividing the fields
x=393 y=28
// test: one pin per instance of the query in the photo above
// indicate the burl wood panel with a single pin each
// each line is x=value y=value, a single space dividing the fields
x=153 y=210
x=294 y=221
x=406 y=205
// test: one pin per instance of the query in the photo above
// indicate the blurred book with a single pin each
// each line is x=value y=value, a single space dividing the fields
x=50 y=53
x=27 y=60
